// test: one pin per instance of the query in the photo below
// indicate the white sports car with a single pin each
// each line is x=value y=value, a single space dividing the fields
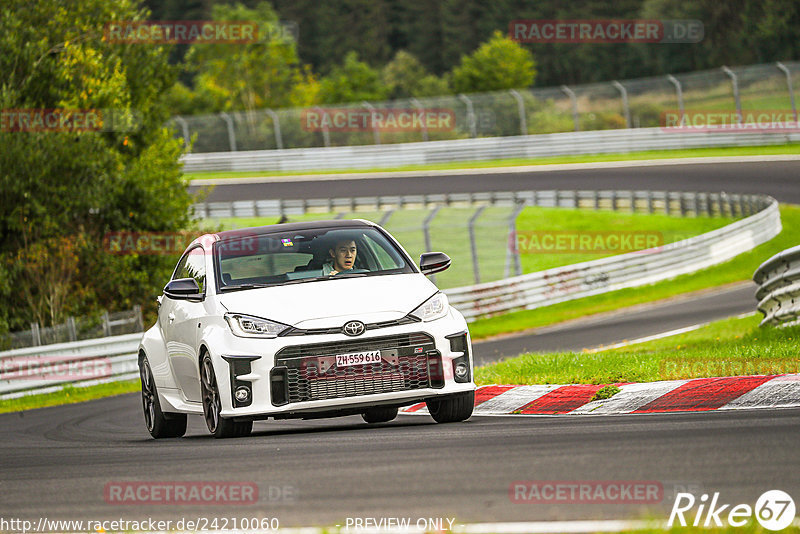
x=302 y=320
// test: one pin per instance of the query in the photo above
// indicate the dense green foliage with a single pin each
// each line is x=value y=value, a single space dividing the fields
x=63 y=191
x=737 y=32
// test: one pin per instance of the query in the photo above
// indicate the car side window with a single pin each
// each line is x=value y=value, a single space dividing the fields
x=193 y=265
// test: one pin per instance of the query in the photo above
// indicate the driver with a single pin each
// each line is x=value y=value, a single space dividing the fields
x=343 y=253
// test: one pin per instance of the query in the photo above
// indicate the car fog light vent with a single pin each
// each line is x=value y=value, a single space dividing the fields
x=242 y=393
x=462 y=371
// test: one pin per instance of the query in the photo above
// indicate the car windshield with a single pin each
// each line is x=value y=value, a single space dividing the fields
x=292 y=257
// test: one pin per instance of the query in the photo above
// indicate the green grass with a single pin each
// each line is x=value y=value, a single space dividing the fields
x=588 y=158
x=739 y=268
x=731 y=347
x=665 y=228
x=69 y=395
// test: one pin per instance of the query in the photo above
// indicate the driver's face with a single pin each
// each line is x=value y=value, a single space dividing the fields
x=344 y=255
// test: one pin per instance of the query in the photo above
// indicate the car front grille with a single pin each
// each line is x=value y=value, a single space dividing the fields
x=309 y=372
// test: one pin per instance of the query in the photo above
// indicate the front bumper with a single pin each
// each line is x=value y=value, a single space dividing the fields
x=296 y=376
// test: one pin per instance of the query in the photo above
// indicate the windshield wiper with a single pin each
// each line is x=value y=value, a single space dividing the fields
x=320 y=278
x=239 y=287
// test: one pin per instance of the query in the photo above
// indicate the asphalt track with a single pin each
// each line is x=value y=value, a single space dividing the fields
x=777 y=178
x=56 y=462
x=624 y=325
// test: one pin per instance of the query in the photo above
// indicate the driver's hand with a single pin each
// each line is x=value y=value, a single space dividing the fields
x=332 y=273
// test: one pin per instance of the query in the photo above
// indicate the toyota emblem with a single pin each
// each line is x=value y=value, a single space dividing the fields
x=354 y=328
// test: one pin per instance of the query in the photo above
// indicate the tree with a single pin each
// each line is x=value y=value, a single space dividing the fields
x=498 y=64
x=63 y=190
x=405 y=77
x=353 y=81
x=264 y=74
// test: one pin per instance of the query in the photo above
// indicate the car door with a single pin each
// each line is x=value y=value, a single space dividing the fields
x=180 y=319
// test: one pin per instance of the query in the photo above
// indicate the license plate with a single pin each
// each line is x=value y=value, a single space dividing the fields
x=358 y=358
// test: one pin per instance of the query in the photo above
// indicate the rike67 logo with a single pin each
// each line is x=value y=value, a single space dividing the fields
x=774 y=510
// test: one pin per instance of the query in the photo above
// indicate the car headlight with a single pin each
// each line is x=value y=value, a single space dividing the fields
x=249 y=326
x=434 y=308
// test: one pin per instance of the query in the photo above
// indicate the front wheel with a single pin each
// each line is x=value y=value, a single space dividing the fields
x=220 y=427
x=159 y=424
x=452 y=408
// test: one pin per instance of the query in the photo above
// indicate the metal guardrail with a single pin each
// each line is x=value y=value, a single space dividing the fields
x=667 y=202
x=778 y=294
x=51 y=367
x=486 y=148
x=633 y=269
x=115 y=358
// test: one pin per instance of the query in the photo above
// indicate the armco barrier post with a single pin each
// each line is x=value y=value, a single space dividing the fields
x=523 y=125
x=473 y=244
x=185 y=129
x=424 y=127
x=679 y=92
x=626 y=108
x=276 y=127
x=788 y=74
x=574 y=104
x=470 y=114
x=231 y=133
x=376 y=135
x=512 y=254
x=735 y=84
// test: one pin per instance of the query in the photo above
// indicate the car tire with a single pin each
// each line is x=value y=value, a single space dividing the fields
x=159 y=424
x=380 y=414
x=453 y=408
x=220 y=427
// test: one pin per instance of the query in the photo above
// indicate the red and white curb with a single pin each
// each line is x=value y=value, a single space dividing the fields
x=693 y=395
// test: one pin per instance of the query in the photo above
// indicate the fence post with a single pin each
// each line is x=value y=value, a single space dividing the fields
x=470 y=114
x=523 y=123
x=36 y=336
x=735 y=83
x=625 y=107
x=427 y=231
x=231 y=133
x=137 y=311
x=326 y=136
x=385 y=218
x=376 y=135
x=185 y=128
x=416 y=103
x=574 y=101
x=72 y=332
x=679 y=92
x=277 y=128
x=472 y=243
x=512 y=254
x=106 y=324
x=782 y=67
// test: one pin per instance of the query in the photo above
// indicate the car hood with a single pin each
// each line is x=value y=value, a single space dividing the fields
x=330 y=302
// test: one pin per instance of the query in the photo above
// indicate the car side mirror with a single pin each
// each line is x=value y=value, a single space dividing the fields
x=183 y=289
x=433 y=262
